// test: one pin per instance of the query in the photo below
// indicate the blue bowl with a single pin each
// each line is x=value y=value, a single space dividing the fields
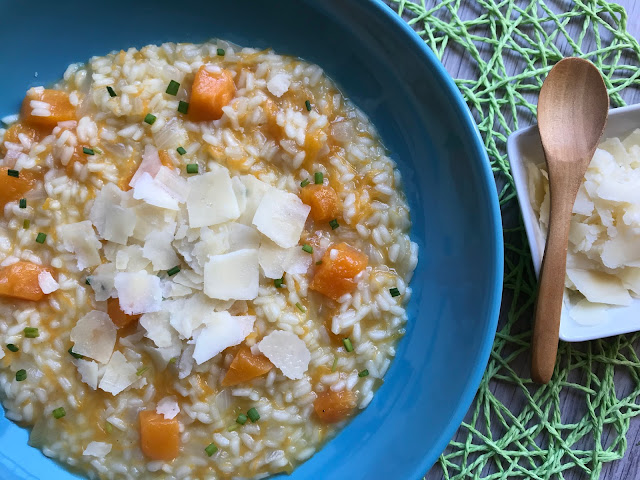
x=382 y=65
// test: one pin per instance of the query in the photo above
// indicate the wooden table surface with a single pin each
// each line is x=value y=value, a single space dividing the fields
x=629 y=467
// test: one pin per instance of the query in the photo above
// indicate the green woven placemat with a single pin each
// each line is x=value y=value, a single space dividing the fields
x=571 y=427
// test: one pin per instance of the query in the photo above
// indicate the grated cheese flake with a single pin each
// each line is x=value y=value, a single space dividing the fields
x=287 y=352
x=118 y=375
x=94 y=336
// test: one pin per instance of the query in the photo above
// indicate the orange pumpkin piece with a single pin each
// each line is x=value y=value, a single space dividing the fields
x=209 y=93
x=323 y=201
x=13 y=134
x=118 y=317
x=20 y=280
x=246 y=366
x=159 y=437
x=59 y=106
x=13 y=189
x=165 y=159
x=334 y=277
x=333 y=406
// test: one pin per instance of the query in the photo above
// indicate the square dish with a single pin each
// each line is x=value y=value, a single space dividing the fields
x=524 y=146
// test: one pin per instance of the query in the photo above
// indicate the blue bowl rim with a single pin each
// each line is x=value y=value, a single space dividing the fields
x=477 y=371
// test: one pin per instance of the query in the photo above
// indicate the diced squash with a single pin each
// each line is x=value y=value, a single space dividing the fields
x=312 y=146
x=159 y=437
x=333 y=406
x=334 y=278
x=12 y=134
x=246 y=366
x=59 y=106
x=165 y=159
x=127 y=171
x=209 y=93
x=13 y=189
x=20 y=280
x=118 y=317
x=323 y=201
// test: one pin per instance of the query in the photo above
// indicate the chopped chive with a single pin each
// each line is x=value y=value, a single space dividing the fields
x=192 y=168
x=307 y=248
x=172 y=88
x=394 y=292
x=21 y=375
x=183 y=107
x=141 y=371
x=13 y=173
x=58 y=413
x=318 y=178
x=211 y=449
x=31 y=332
x=347 y=345
x=87 y=280
x=74 y=354
x=233 y=427
x=334 y=224
x=279 y=282
x=108 y=427
x=173 y=360
x=319 y=262
x=220 y=52
x=253 y=415
x=41 y=237
x=12 y=348
x=242 y=419
x=304 y=182
x=112 y=92
x=171 y=272
x=300 y=307
x=88 y=151
x=23 y=203
x=307 y=104
x=335 y=364
x=26 y=224
x=97 y=150
x=363 y=373
x=150 y=119
x=181 y=150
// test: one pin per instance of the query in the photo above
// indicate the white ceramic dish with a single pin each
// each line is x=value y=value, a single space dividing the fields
x=524 y=146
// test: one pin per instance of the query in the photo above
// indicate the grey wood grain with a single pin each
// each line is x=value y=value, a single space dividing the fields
x=629 y=467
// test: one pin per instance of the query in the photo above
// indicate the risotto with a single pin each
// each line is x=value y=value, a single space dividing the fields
x=205 y=259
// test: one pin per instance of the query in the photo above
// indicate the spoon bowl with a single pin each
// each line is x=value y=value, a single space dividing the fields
x=572 y=112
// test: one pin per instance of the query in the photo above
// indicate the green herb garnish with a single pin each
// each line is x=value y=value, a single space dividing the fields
x=59 y=412
x=253 y=415
x=211 y=449
x=183 y=107
x=31 y=332
x=172 y=88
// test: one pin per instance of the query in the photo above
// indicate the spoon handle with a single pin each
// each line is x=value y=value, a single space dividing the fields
x=546 y=328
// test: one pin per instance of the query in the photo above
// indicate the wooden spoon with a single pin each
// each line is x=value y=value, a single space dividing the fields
x=572 y=112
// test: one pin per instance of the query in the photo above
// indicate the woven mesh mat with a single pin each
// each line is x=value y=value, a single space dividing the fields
x=515 y=429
